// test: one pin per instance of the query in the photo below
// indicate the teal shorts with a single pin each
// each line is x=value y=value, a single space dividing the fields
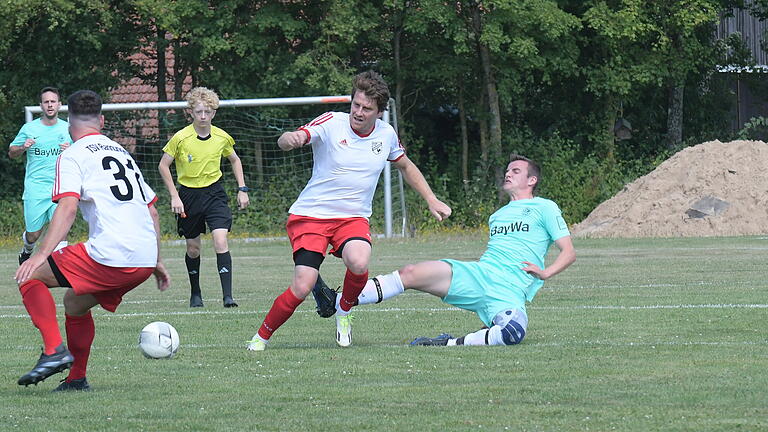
x=37 y=213
x=478 y=287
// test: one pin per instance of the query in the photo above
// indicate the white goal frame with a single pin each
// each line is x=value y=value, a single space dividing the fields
x=31 y=110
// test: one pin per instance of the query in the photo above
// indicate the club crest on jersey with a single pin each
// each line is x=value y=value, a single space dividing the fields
x=376 y=147
x=189 y=158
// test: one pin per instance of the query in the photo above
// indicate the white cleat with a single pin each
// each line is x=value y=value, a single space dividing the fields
x=344 y=330
x=256 y=344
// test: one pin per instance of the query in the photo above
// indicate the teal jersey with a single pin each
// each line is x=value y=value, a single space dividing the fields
x=521 y=231
x=42 y=156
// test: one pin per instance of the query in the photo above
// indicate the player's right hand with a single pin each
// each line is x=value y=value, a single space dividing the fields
x=28 y=267
x=29 y=142
x=177 y=206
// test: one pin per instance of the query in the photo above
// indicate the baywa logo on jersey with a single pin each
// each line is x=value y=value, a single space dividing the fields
x=376 y=147
x=46 y=152
x=519 y=226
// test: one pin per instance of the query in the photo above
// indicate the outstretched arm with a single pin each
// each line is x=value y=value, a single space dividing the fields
x=565 y=258
x=62 y=221
x=292 y=140
x=415 y=178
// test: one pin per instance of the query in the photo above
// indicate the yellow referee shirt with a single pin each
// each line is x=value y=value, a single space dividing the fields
x=198 y=161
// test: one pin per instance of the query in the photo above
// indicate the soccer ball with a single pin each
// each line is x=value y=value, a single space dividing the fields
x=158 y=340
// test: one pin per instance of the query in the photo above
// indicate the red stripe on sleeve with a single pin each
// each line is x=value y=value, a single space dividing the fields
x=56 y=198
x=321 y=119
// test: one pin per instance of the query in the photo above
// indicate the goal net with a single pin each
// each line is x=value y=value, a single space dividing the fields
x=275 y=177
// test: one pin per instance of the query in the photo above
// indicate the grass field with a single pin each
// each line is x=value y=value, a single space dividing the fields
x=638 y=335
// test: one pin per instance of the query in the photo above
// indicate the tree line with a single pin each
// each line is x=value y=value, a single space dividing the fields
x=600 y=91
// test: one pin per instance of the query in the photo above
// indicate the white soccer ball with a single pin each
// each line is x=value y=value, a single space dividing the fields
x=158 y=340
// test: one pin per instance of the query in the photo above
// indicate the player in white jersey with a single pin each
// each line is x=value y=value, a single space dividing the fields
x=349 y=151
x=508 y=274
x=100 y=178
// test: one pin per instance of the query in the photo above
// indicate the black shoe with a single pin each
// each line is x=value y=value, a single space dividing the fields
x=48 y=365
x=325 y=298
x=23 y=256
x=74 y=385
x=435 y=341
x=195 y=301
x=229 y=302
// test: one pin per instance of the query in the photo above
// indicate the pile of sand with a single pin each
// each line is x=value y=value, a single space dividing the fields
x=712 y=189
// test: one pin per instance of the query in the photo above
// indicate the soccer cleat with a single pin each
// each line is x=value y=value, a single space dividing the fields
x=74 y=385
x=440 y=340
x=23 y=256
x=344 y=330
x=256 y=344
x=229 y=302
x=325 y=298
x=48 y=365
x=195 y=301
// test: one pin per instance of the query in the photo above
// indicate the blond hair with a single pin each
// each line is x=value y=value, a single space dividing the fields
x=202 y=95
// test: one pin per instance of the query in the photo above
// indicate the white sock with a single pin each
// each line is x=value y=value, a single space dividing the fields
x=28 y=247
x=478 y=337
x=389 y=286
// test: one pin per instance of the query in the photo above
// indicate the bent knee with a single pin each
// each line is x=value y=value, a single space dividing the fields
x=512 y=333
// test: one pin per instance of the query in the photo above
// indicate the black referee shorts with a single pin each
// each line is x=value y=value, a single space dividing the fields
x=203 y=206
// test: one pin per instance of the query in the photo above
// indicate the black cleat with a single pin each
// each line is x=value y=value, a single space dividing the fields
x=229 y=302
x=195 y=301
x=48 y=365
x=23 y=256
x=325 y=298
x=440 y=340
x=74 y=385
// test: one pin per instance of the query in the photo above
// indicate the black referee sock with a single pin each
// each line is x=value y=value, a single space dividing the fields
x=193 y=270
x=224 y=263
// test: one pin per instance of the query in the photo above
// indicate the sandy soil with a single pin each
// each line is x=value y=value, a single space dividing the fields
x=711 y=189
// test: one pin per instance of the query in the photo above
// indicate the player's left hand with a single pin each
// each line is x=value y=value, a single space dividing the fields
x=64 y=145
x=242 y=200
x=439 y=210
x=534 y=270
x=25 y=270
x=162 y=276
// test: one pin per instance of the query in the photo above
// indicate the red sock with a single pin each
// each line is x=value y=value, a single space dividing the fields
x=80 y=334
x=38 y=300
x=282 y=309
x=353 y=286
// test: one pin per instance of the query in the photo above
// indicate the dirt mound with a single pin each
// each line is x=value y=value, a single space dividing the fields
x=711 y=189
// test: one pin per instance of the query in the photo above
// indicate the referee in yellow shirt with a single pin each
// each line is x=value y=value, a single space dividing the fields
x=200 y=198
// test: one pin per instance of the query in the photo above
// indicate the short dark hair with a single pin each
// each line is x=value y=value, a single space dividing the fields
x=49 y=89
x=534 y=170
x=373 y=86
x=86 y=103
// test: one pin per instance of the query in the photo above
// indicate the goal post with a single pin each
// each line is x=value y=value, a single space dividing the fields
x=144 y=128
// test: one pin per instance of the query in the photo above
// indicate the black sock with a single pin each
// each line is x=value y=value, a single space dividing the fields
x=224 y=263
x=193 y=270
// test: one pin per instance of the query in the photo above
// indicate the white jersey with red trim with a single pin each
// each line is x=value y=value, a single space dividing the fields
x=346 y=167
x=114 y=200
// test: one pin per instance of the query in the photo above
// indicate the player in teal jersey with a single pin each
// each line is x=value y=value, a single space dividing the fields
x=508 y=274
x=42 y=140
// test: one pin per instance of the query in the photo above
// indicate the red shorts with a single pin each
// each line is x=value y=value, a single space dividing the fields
x=86 y=276
x=315 y=234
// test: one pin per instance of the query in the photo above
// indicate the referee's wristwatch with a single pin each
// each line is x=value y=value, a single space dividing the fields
x=243 y=189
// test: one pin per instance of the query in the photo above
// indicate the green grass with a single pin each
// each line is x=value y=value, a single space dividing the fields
x=638 y=335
